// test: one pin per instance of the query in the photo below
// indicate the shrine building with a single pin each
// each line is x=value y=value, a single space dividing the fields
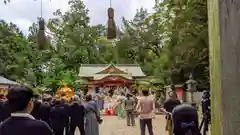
x=101 y=75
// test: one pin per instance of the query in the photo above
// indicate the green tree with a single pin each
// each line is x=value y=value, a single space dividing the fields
x=169 y=44
x=186 y=38
x=15 y=54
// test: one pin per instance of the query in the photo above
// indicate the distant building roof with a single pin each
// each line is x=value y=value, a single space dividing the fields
x=89 y=70
x=4 y=80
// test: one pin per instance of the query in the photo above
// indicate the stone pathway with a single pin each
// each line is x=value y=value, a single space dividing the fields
x=112 y=125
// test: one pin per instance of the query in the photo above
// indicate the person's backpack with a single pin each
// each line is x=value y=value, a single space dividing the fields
x=125 y=102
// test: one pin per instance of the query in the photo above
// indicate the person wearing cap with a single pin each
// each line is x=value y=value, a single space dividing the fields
x=77 y=113
x=21 y=122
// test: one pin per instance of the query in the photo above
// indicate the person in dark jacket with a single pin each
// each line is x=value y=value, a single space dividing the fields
x=45 y=110
x=1 y=100
x=66 y=106
x=168 y=106
x=5 y=111
x=58 y=117
x=21 y=122
x=77 y=113
x=36 y=113
x=4 y=108
x=185 y=120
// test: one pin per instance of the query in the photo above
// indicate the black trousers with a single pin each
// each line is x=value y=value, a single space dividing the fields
x=58 y=131
x=73 y=128
x=143 y=124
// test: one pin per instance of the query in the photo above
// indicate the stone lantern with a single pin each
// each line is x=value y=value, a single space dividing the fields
x=191 y=88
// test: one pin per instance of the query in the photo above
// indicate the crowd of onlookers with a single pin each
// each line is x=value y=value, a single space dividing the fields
x=57 y=115
x=82 y=111
x=22 y=113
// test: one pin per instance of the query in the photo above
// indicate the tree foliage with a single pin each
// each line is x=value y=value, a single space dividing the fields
x=169 y=43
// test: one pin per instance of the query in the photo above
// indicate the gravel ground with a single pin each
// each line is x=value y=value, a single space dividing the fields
x=113 y=125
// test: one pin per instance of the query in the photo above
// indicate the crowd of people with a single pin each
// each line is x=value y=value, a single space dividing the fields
x=23 y=114
x=28 y=115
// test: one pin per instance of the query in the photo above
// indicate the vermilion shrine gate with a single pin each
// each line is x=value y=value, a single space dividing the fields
x=98 y=75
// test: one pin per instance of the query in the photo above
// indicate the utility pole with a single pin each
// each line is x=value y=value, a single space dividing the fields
x=224 y=39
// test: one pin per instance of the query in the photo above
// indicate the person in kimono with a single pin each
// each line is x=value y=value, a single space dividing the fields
x=122 y=111
x=92 y=117
x=118 y=107
x=21 y=122
x=101 y=101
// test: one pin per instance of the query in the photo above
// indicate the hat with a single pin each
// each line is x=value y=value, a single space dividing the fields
x=19 y=92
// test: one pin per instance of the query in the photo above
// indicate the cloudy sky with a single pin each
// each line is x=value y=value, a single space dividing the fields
x=24 y=12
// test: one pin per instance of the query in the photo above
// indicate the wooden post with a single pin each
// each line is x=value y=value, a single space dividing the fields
x=224 y=38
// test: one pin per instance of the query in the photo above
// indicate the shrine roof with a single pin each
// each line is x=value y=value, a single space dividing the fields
x=4 y=80
x=89 y=70
x=101 y=76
